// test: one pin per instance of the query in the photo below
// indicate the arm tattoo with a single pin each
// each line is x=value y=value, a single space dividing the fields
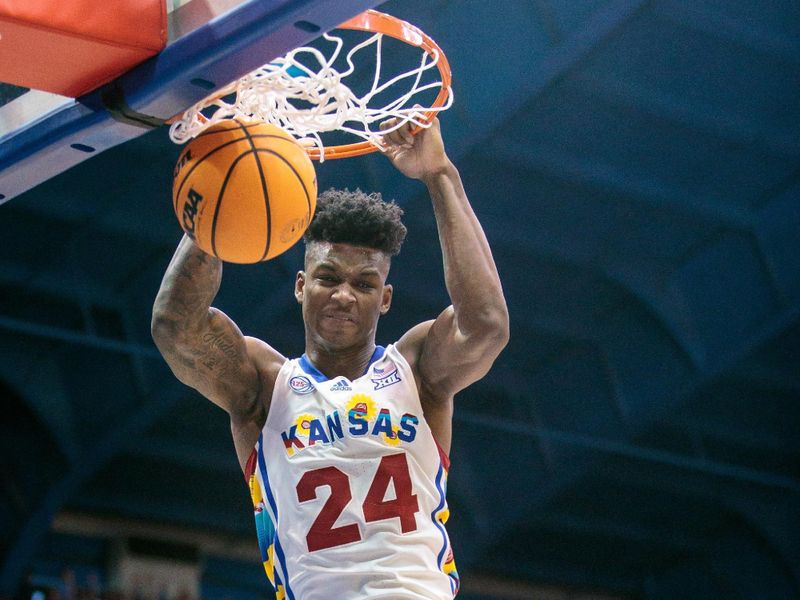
x=203 y=347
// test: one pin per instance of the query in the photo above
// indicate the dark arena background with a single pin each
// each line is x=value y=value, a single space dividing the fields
x=636 y=167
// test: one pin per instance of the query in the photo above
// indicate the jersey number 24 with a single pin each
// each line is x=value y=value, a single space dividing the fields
x=392 y=468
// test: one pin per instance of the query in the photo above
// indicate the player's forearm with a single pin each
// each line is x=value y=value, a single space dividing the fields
x=189 y=286
x=470 y=272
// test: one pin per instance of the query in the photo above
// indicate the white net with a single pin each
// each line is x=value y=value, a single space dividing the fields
x=305 y=95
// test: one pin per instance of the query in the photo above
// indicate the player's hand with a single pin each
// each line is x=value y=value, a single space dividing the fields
x=419 y=155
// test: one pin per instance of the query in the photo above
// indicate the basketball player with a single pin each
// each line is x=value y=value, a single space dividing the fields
x=345 y=449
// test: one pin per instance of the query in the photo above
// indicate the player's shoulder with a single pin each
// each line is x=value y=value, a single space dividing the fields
x=411 y=343
x=265 y=358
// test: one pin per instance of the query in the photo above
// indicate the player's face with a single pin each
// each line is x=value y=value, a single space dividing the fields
x=343 y=291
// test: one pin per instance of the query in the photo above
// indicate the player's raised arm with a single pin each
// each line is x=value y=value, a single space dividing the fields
x=463 y=342
x=202 y=346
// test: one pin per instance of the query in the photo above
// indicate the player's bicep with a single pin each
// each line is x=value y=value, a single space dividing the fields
x=448 y=360
x=212 y=358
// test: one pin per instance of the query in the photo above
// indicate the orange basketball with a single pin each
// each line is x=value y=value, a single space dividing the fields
x=244 y=191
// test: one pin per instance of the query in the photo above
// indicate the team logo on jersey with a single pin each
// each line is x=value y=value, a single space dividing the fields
x=361 y=406
x=341 y=386
x=301 y=385
x=303 y=423
x=385 y=380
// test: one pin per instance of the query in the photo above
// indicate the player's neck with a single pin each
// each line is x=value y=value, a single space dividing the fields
x=349 y=362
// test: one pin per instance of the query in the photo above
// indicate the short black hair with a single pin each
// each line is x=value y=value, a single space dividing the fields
x=359 y=219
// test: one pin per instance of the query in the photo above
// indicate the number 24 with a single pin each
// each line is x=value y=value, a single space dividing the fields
x=405 y=506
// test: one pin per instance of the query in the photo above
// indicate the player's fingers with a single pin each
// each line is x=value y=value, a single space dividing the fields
x=397 y=137
x=387 y=124
x=389 y=137
x=405 y=133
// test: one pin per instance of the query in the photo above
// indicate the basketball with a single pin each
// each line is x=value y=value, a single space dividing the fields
x=244 y=191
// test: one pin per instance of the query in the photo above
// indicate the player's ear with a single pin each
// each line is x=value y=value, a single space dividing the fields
x=386 y=299
x=299 y=286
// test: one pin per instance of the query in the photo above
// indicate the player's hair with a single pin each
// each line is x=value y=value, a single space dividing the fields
x=359 y=219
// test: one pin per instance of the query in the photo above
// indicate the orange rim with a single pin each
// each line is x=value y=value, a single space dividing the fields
x=378 y=22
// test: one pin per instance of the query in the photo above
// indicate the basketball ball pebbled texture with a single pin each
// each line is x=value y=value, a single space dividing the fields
x=244 y=191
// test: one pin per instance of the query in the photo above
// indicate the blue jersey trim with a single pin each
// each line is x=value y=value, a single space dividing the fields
x=271 y=499
x=439 y=526
x=262 y=464
x=376 y=356
x=279 y=581
x=282 y=560
x=320 y=377
x=310 y=369
x=440 y=488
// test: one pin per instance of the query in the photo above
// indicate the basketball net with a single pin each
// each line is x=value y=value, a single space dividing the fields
x=303 y=94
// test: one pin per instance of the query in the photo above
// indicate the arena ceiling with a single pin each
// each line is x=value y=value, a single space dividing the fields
x=636 y=167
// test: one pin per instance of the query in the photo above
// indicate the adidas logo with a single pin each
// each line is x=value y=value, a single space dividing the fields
x=341 y=386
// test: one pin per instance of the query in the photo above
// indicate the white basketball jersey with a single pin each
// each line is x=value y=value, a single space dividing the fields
x=348 y=486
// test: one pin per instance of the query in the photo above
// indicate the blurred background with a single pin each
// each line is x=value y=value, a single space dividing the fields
x=636 y=167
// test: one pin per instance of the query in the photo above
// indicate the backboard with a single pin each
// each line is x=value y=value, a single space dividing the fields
x=211 y=42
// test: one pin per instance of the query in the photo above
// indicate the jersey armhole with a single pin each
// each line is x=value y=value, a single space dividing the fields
x=442 y=454
x=250 y=467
